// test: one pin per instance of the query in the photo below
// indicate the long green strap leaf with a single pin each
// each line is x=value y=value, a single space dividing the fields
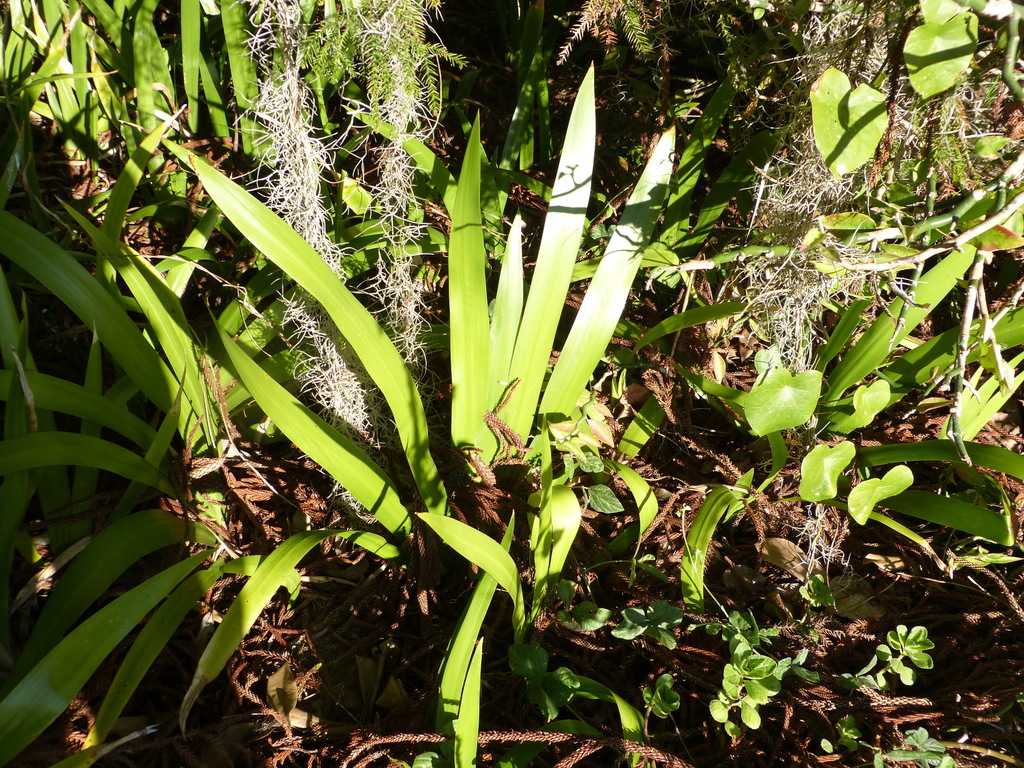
x=508 y=312
x=991 y=456
x=455 y=665
x=338 y=455
x=643 y=495
x=630 y=717
x=718 y=503
x=559 y=246
x=691 y=164
x=484 y=552
x=954 y=513
x=106 y=558
x=50 y=449
x=688 y=319
x=602 y=307
x=873 y=347
x=151 y=641
x=68 y=280
x=469 y=327
x=52 y=683
x=55 y=394
x=558 y=523
x=467 y=726
x=248 y=606
x=382 y=362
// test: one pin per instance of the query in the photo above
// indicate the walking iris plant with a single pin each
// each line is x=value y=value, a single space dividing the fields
x=499 y=361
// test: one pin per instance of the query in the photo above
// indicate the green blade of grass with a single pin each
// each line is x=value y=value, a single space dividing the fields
x=484 y=552
x=508 y=312
x=642 y=428
x=278 y=566
x=191 y=15
x=51 y=684
x=602 y=307
x=467 y=726
x=737 y=176
x=383 y=363
x=54 y=394
x=105 y=559
x=720 y=502
x=954 y=513
x=691 y=164
x=149 y=60
x=873 y=347
x=167 y=320
x=688 y=319
x=563 y=230
x=991 y=456
x=68 y=280
x=558 y=522
x=631 y=719
x=244 y=78
x=338 y=455
x=147 y=647
x=52 y=449
x=643 y=495
x=455 y=664
x=469 y=328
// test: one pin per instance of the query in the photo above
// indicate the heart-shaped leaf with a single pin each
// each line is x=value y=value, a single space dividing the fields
x=938 y=53
x=820 y=470
x=868 y=401
x=781 y=400
x=864 y=497
x=848 y=124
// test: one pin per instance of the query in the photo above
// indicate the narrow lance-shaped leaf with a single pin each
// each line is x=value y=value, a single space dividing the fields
x=106 y=558
x=51 y=684
x=69 y=281
x=484 y=552
x=338 y=455
x=559 y=522
x=382 y=362
x=559 y=245
x=602 y=307
x=468 y=329
x=248 y=606
x=49 y=449
x=508 y=312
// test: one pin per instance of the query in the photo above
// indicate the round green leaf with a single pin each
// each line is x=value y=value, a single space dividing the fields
x=937 y=54
x=782 y=401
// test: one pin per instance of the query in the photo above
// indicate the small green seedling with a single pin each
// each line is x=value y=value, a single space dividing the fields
x=902 y=645
x=818 y=593
x=924 y=752
x=423 y=760
x=661 y=700
x=750 y=679
x=656 y=622
x=548 y=690
x=585 y=617
x=847 y=736
x=741 y=628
